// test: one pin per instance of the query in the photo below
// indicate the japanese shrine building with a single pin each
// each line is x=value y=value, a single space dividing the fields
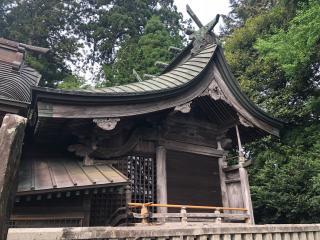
x=164 y=140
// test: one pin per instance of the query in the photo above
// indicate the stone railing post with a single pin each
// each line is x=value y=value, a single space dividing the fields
x=184 y=218
x=218 y=219
x=11 y=141
x=144 y=214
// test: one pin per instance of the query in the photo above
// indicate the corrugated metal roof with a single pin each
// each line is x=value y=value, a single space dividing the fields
x=47 y=175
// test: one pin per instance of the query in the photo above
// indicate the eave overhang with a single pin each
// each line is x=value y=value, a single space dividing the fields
x=234 y=87
x=154 y=90
x=130 y=100
x=12 y=106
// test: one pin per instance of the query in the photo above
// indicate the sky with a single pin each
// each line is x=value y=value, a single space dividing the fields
x=206 y=10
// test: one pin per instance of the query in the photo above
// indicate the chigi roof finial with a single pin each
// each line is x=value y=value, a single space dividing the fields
x=204 y=35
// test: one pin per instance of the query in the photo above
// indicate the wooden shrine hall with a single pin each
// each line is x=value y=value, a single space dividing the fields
x=165 y=140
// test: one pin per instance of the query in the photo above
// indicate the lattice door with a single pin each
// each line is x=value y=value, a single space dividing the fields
x=141 y=170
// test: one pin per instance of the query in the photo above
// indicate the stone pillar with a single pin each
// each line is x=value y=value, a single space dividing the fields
x=11 y=141
x=161 y=178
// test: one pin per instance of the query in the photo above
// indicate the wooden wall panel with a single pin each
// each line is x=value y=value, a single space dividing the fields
x=193 y=179
x=235 y=195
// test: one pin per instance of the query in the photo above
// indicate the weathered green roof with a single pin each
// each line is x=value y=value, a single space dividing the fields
x=172 y=79
x=189 y=76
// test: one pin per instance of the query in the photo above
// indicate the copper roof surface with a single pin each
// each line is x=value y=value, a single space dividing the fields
x=175 y=78
x=16 y=78
x=47 y=175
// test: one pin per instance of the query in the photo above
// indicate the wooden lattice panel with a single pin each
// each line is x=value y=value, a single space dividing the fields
x=141 y=171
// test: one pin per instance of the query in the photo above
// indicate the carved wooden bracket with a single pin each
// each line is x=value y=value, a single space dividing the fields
x=82 y=150
x=215 y=92
x=184 y=108
x=106 y=123
x=103 y=152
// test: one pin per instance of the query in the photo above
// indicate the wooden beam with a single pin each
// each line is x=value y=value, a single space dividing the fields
x=160 y=64
x=136 y=75
x=222 y=164
x=192 y=148
x=245 y=188
x=237 y=166
x=175 y=49
x=194 y=16
x=239 y=141
x=162 y=196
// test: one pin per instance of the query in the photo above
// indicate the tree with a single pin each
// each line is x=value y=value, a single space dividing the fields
x=296 y=51
x=110 y=25
x=80 y=33
x=243 y=10
x=275 y=57
x=141 y=55
x=257 y=80
x=47 y=24
x=285 y=178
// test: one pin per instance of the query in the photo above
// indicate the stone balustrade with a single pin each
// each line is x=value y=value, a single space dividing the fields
x=187 y=231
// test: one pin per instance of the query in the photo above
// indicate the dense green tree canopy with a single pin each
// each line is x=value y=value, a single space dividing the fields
x=43 y=23
x=142 y=54
x=81 y=33
x=275 y=56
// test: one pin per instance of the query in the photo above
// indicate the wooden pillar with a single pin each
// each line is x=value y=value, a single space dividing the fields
x=244 y=180
x=245 y=188
x=223 y=163
x=11 y=141
x=86 y=204
x=161 y=178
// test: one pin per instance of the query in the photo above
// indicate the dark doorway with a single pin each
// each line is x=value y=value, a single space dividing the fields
x=193 y=179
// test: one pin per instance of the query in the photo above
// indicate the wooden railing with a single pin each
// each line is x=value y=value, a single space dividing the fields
x=219 y=214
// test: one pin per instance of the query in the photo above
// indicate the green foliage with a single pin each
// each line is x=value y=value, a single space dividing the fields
x=286 y=176
x=43 y=23
x=117 y=21
x=296 y=51
x=242 y=10
x=294 y=48
x=141 y=55
x=258 y=80
x=72 y=82
x=99 y=28
x=275 y=57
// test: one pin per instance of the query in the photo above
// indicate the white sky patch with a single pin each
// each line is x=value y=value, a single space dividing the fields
x=206 y=10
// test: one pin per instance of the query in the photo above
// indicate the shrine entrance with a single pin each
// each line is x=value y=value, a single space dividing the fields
x=193 y=179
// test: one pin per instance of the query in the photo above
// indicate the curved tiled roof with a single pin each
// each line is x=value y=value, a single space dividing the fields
x=177 y=77
x=187 y=77
x=16 y=78
x=16 y=85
